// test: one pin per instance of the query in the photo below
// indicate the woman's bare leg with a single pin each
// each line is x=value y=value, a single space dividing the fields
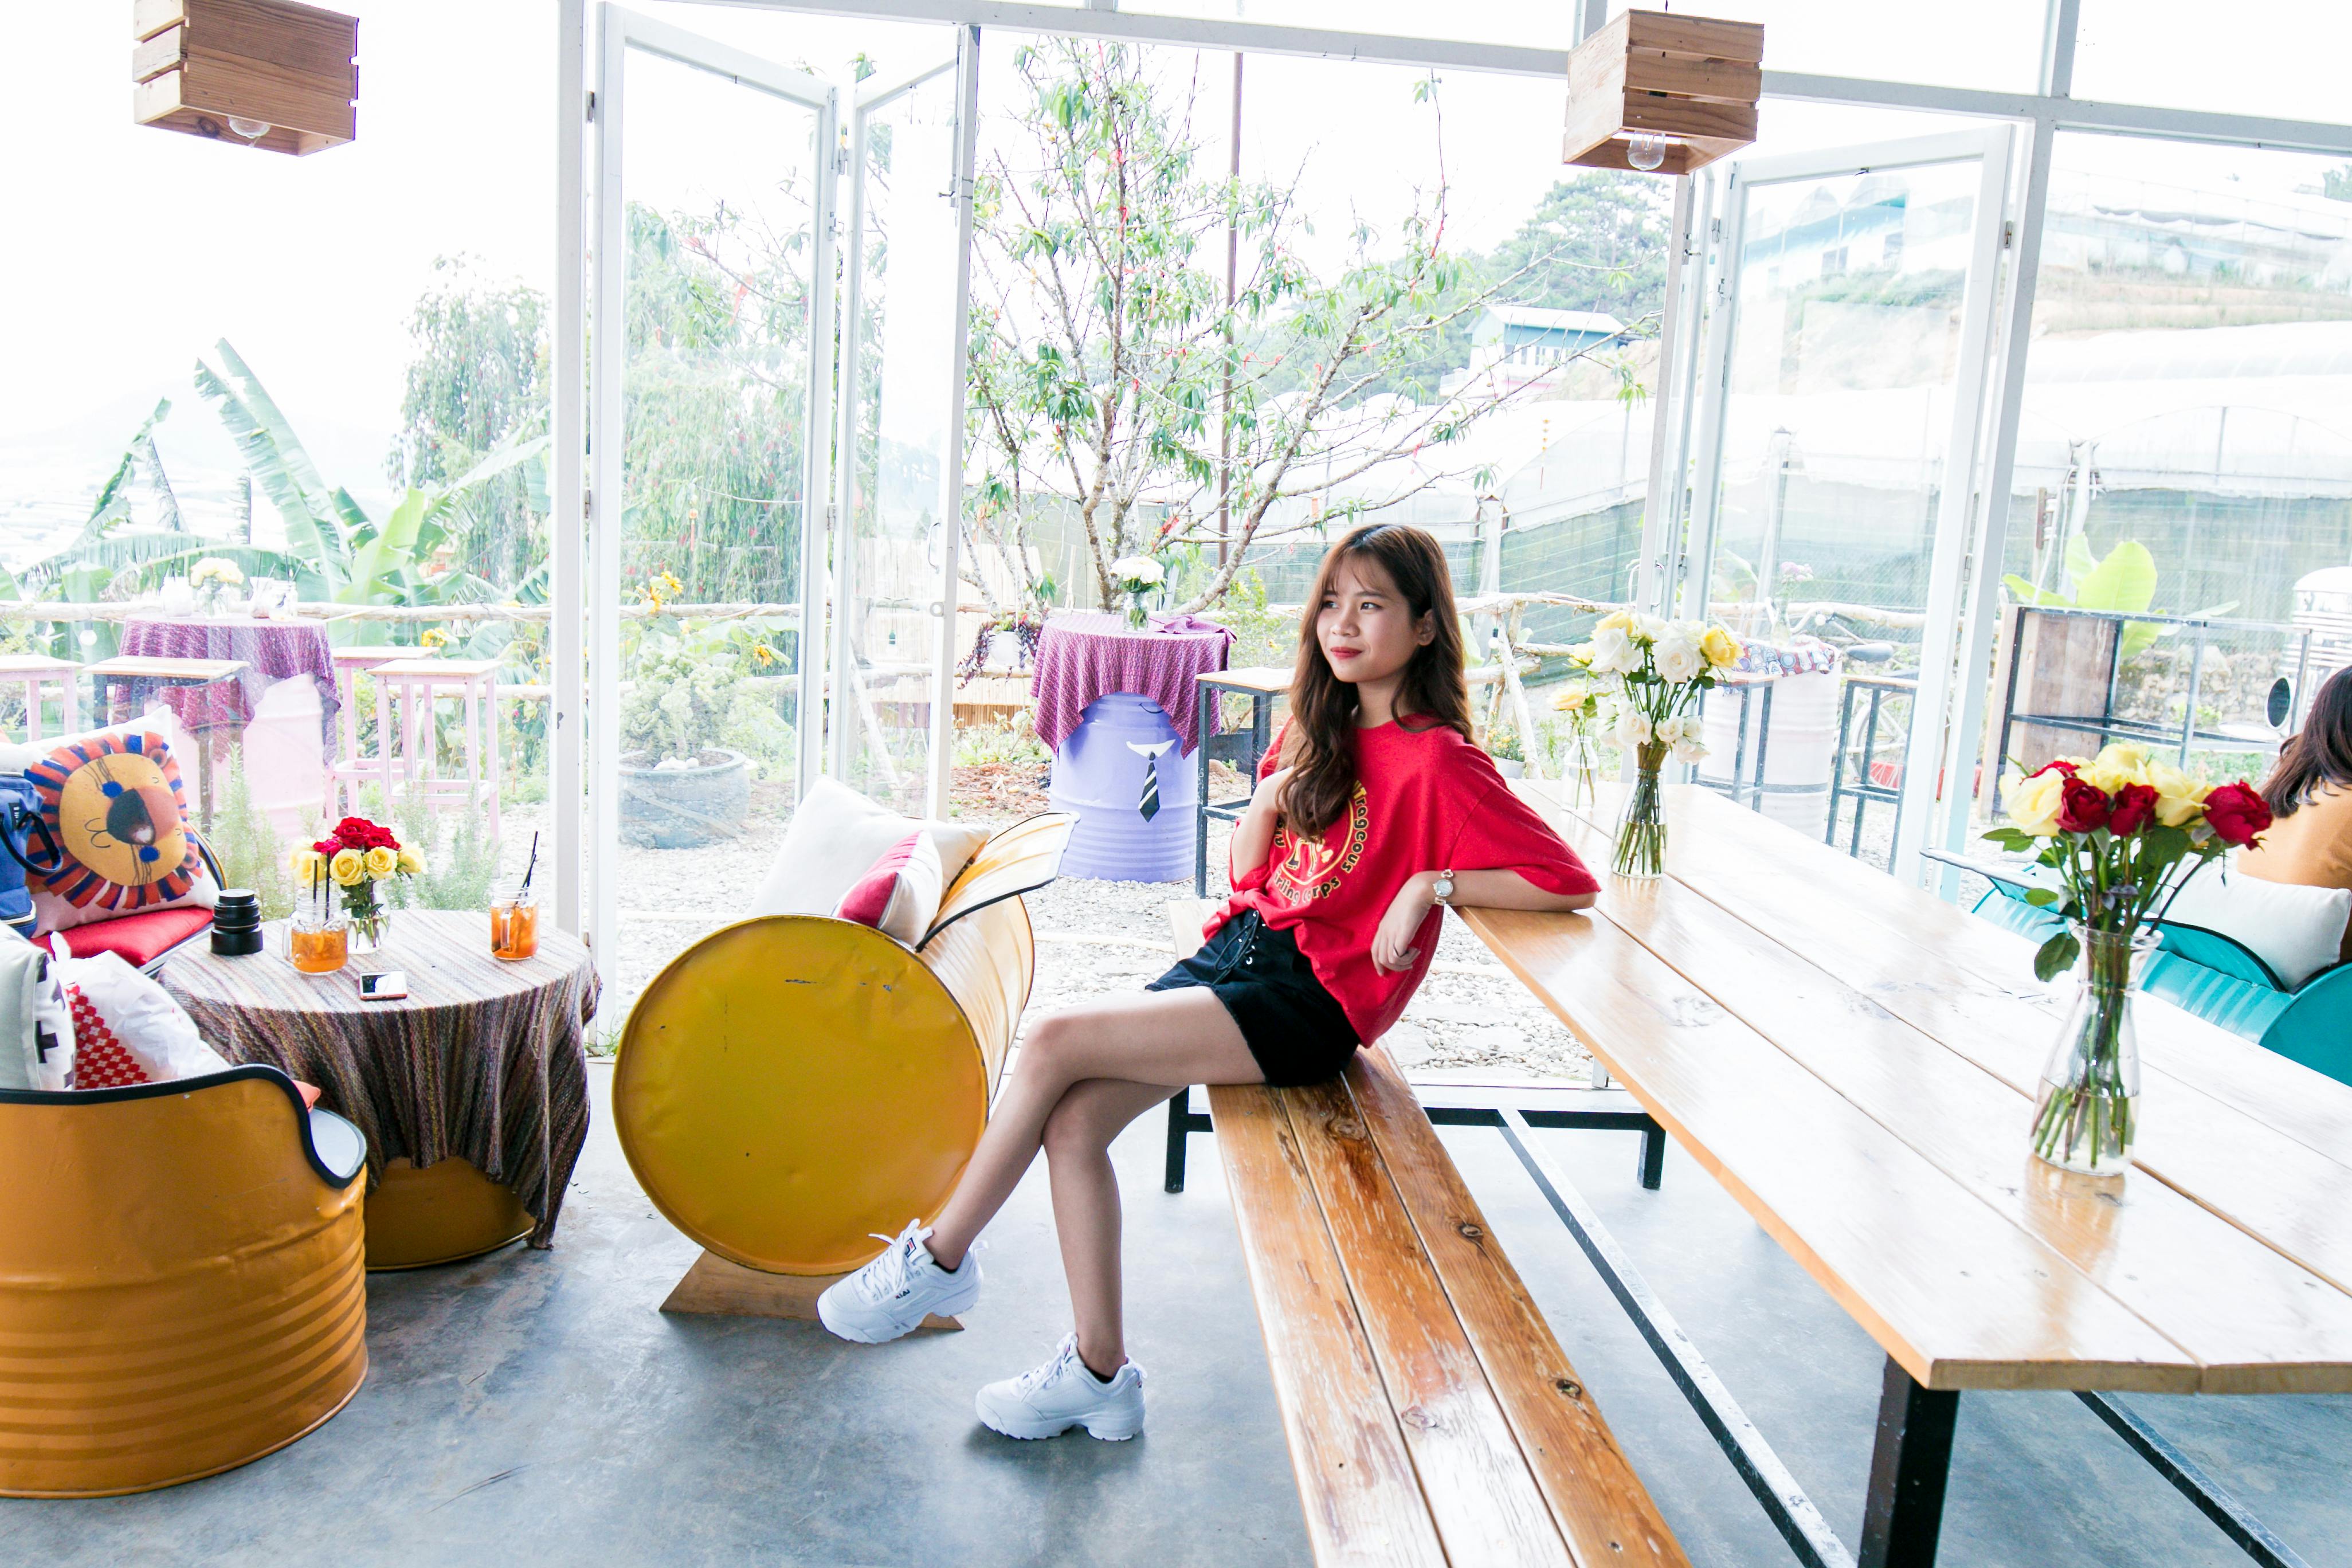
x=1079 y=1136
x=1163 y=1038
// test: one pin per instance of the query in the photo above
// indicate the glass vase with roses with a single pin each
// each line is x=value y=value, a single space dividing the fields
x=2123 y=831
x=1659 y=669
x=356 y=857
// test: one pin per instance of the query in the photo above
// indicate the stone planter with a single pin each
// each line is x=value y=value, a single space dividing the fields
x=680 y=808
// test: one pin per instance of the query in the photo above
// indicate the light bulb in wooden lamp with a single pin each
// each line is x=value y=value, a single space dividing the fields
x=257 y=73
x=1664 y=93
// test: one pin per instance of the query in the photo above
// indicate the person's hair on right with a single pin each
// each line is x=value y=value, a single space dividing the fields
x=2320 y=753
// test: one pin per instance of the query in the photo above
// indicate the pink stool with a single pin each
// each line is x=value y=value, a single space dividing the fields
x=37 y=670
x=350 y=767
x=422 y=682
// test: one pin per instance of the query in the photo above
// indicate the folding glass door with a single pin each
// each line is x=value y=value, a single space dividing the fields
x=1840 y=394
x=726 y=303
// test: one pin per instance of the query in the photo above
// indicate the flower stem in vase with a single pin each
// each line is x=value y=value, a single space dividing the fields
x=2087 y=1112
x=1642 y=830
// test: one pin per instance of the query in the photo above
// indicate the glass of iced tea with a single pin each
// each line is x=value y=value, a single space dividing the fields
x=318 y=944
x=514 y=922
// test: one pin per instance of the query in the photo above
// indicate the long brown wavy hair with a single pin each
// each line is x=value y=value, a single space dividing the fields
x=1319 y=744
x=2320 y=753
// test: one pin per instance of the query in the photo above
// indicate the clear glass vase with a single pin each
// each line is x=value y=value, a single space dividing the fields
x=1642 y=830
x=1584 y=772
x=370 y=927
x=2086 y=1113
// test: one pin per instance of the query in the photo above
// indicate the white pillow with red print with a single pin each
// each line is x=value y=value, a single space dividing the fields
x=127 y=1029
x=899 y=892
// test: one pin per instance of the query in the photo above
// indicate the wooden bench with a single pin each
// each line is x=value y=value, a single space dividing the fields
x=1431 y=1415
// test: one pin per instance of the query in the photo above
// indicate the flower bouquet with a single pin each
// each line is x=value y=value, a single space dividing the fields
x=1580 y=702
x=214 y=579
x=356 y=857
x=1659 y=669
x=1137 y=578
x=2124 y=832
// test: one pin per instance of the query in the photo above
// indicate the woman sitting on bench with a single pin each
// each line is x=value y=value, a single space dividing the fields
x=1380 y=811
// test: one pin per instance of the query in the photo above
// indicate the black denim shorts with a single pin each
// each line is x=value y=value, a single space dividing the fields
x=1292 y=1026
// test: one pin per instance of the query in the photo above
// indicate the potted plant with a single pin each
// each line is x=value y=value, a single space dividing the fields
x=680 y=786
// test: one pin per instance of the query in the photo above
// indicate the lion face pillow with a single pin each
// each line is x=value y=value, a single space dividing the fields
x=114 y=802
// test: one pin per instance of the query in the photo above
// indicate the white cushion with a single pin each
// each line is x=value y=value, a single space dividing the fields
x=152 y=1027
x=899 y=896
x=2297 y=930
x=36 y=1039
x=835 y=837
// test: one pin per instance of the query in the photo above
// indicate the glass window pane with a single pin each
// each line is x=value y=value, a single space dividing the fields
x=1991 y=44
x=2188 y=393
x=718 y=180
x=2278 y=57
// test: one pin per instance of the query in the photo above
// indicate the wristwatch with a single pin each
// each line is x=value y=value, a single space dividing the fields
x=1443 y=891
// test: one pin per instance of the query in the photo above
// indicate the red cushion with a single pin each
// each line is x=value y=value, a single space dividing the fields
x=869 y=900
x=141 y=939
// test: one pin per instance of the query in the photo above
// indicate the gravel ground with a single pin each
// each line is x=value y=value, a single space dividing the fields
x=1470 y=1019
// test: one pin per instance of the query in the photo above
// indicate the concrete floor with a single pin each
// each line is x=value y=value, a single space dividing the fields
x=534 y=1408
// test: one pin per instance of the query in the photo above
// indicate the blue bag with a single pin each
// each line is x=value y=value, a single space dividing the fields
x=20 y=824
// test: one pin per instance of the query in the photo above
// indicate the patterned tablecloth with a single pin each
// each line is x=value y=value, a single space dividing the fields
x=272 y=651
x=1086 y=654
x=484 y=1061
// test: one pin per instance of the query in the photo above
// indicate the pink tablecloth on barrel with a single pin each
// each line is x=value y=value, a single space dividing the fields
x=1086 y=654
x=271 y=651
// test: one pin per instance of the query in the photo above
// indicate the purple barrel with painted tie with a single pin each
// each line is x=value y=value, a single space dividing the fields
x=1098 y=773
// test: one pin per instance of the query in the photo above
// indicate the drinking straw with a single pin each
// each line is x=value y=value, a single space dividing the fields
x=531 y=867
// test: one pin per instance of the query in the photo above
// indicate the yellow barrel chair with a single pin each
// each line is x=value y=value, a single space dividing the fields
x=793 y=1085
x=183 y=1284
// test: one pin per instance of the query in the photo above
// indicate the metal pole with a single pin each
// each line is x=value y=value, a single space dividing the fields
x=1660 y=512
x=569 y=527
x=1232 y=272
x=607 y=441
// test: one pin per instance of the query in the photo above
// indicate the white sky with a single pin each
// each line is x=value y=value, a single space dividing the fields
x=131 y=251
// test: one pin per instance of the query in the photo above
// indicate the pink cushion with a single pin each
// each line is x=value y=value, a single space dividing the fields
x=899 y=892
x=140 y=939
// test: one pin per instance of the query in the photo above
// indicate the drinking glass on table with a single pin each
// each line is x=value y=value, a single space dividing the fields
x=514 y=921
x=318 y=943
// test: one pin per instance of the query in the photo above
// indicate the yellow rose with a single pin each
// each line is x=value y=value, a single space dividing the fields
x=303 y=862
x=412 y=864
x=2179 y=798
x=382 y=862
x=1720 y=647
x=346 y=867
x=2032 y=803
x=2117 y=764
x=1619 y=620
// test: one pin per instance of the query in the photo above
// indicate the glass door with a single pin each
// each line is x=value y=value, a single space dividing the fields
x=894 y=635
x=711 y=370
x=1839 y=415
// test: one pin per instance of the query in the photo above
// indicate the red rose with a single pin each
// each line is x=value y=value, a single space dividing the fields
x=327 y=846
x=2082 y=807
x=2238 y=813
x=2061 y=765
x=2135 y=805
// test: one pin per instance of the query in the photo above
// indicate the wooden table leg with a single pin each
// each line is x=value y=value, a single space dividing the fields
x=1903 y=1514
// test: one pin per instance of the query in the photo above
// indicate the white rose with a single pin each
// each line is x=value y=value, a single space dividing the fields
x=1678 y=659
x=1613 y=653
x=1633 y=727
x=1648 y=628
x=1687 y=727
x=1689 y=750
x=1139 y=569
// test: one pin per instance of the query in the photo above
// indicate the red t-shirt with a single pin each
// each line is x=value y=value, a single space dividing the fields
x=1426 y=800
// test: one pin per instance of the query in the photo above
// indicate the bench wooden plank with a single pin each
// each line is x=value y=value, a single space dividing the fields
x=2255 y=1320
x=1897 y=947
x=1487 y=1504
x=1356 y=1483
x=1953 y=1291
x=1598 y=1501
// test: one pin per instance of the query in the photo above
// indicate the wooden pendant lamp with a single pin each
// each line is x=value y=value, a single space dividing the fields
x=267 y=73
x=1692 y=80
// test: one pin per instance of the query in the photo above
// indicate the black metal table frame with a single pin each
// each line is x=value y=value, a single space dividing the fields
x=1910 y=1464
x=1863 y=791
x=1244 y=749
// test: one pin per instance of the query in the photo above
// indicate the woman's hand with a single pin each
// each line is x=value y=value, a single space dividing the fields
x=1393 y=945
x=1254 y=834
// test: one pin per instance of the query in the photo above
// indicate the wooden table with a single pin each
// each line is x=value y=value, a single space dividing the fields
x=1854 y=1062
x=483 y=1062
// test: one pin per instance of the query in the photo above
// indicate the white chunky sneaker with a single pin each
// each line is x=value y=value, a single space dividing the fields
x=892 y=1295
x=1048 y=1401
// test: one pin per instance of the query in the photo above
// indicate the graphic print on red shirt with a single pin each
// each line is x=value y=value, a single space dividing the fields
x=1425 y=800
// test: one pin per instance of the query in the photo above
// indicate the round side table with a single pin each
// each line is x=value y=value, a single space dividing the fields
x=472 y=1089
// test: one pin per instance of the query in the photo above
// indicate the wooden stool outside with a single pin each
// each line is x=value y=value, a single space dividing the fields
x=422 y=682
x=130 y=672
x=350 y=767
x=37 y=671
x=1243 y=750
